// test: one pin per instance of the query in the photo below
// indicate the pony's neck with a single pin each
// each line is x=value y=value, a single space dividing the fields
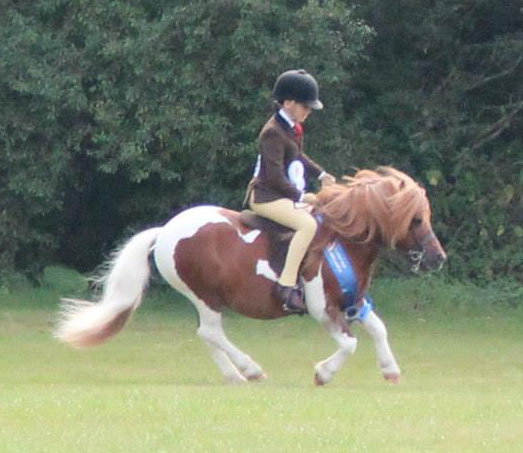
x=364 y=258
x=363 y=255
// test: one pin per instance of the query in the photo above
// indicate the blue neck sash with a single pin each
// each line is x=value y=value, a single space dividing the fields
x=343 y=269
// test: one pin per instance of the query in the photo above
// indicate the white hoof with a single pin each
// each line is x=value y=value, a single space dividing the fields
x=261 y=376
x=318 y=380
x=321 y=377
x=393 y=378
x=252 y=371
x=237 y=379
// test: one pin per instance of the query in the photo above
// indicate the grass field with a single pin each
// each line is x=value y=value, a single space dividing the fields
x=154 y=388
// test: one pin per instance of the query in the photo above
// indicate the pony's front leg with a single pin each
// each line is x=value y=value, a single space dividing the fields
x=386 y=361
x=317 y=306
x=326 y=369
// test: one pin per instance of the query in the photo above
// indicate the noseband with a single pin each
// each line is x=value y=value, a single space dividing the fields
x=416 y=256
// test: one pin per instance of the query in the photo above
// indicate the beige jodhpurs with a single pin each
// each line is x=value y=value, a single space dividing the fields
x=284 y=212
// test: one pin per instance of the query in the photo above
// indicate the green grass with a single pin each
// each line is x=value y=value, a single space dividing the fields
x=154 y=388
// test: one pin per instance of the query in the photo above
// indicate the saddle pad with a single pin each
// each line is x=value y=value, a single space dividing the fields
x=252 y=220
x=278 y=235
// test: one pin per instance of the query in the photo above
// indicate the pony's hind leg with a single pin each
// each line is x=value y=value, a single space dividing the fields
x=229 y=371
x=235 y=365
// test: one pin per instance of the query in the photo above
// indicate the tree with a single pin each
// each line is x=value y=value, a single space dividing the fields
x=442 y=94
x=117 y=114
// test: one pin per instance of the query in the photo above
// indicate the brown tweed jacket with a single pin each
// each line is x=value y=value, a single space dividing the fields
x=279 y=147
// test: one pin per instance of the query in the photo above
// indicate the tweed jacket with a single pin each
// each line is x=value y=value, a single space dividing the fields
x=279 y=148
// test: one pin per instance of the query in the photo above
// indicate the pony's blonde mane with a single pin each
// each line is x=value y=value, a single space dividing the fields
x=374 y=205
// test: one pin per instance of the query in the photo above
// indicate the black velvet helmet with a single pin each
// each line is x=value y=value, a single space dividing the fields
x=297 y=85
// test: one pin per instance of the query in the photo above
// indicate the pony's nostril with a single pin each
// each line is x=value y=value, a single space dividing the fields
x=441 y=257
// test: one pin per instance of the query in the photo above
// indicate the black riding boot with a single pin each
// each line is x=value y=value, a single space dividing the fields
x=291 y=297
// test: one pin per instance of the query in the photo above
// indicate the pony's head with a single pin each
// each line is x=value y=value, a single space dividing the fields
x=386 y=207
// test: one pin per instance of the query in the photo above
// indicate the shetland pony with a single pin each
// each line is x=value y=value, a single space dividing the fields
x=211 y=257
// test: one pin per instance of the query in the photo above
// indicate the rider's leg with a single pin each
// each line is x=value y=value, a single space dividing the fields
x=284 y=212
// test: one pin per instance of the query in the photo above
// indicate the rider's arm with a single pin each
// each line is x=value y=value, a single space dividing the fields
x=314 y=169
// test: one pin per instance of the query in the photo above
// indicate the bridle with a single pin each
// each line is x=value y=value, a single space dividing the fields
x=416 y=256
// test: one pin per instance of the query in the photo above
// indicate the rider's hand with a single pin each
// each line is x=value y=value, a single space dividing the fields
x=327 y=179
x=309 y=198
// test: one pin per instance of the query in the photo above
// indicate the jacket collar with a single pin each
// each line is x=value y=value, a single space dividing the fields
x=287 y=118
x=284 y=121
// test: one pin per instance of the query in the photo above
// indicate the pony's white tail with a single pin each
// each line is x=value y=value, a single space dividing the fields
x=83 y=323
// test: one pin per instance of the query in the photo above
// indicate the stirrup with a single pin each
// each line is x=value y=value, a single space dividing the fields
x=292 y=298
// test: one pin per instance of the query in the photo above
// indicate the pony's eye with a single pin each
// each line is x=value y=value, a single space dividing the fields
x=416 y=221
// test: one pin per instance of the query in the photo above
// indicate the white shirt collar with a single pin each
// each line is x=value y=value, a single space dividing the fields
x=287 y=118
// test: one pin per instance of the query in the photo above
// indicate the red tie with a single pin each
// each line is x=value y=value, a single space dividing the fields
x=298 y=130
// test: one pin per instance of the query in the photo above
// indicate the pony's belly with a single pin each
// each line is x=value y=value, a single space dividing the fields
x=205 y=254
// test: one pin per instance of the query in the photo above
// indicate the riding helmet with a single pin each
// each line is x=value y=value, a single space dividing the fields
x=297 y=85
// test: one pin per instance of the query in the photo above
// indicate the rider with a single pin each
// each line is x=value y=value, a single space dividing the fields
x=280 y=176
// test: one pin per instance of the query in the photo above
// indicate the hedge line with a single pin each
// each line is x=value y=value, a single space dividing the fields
x=117 y=114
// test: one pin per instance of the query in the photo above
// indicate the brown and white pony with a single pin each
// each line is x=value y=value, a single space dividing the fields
x=213 y=259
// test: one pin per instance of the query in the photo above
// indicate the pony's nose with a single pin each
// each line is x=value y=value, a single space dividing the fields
x=441 y=257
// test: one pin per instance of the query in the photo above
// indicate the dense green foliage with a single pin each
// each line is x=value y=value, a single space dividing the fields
x=116 y=114
x=442 y=97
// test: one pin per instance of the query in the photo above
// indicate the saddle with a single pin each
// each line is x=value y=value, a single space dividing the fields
x=279 y=237
x=336 y=257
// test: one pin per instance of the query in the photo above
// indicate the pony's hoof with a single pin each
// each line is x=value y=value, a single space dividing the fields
x=318 y=380
x=257 y=377
x=235 y=380
x=321 y=377
x=393 y=378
